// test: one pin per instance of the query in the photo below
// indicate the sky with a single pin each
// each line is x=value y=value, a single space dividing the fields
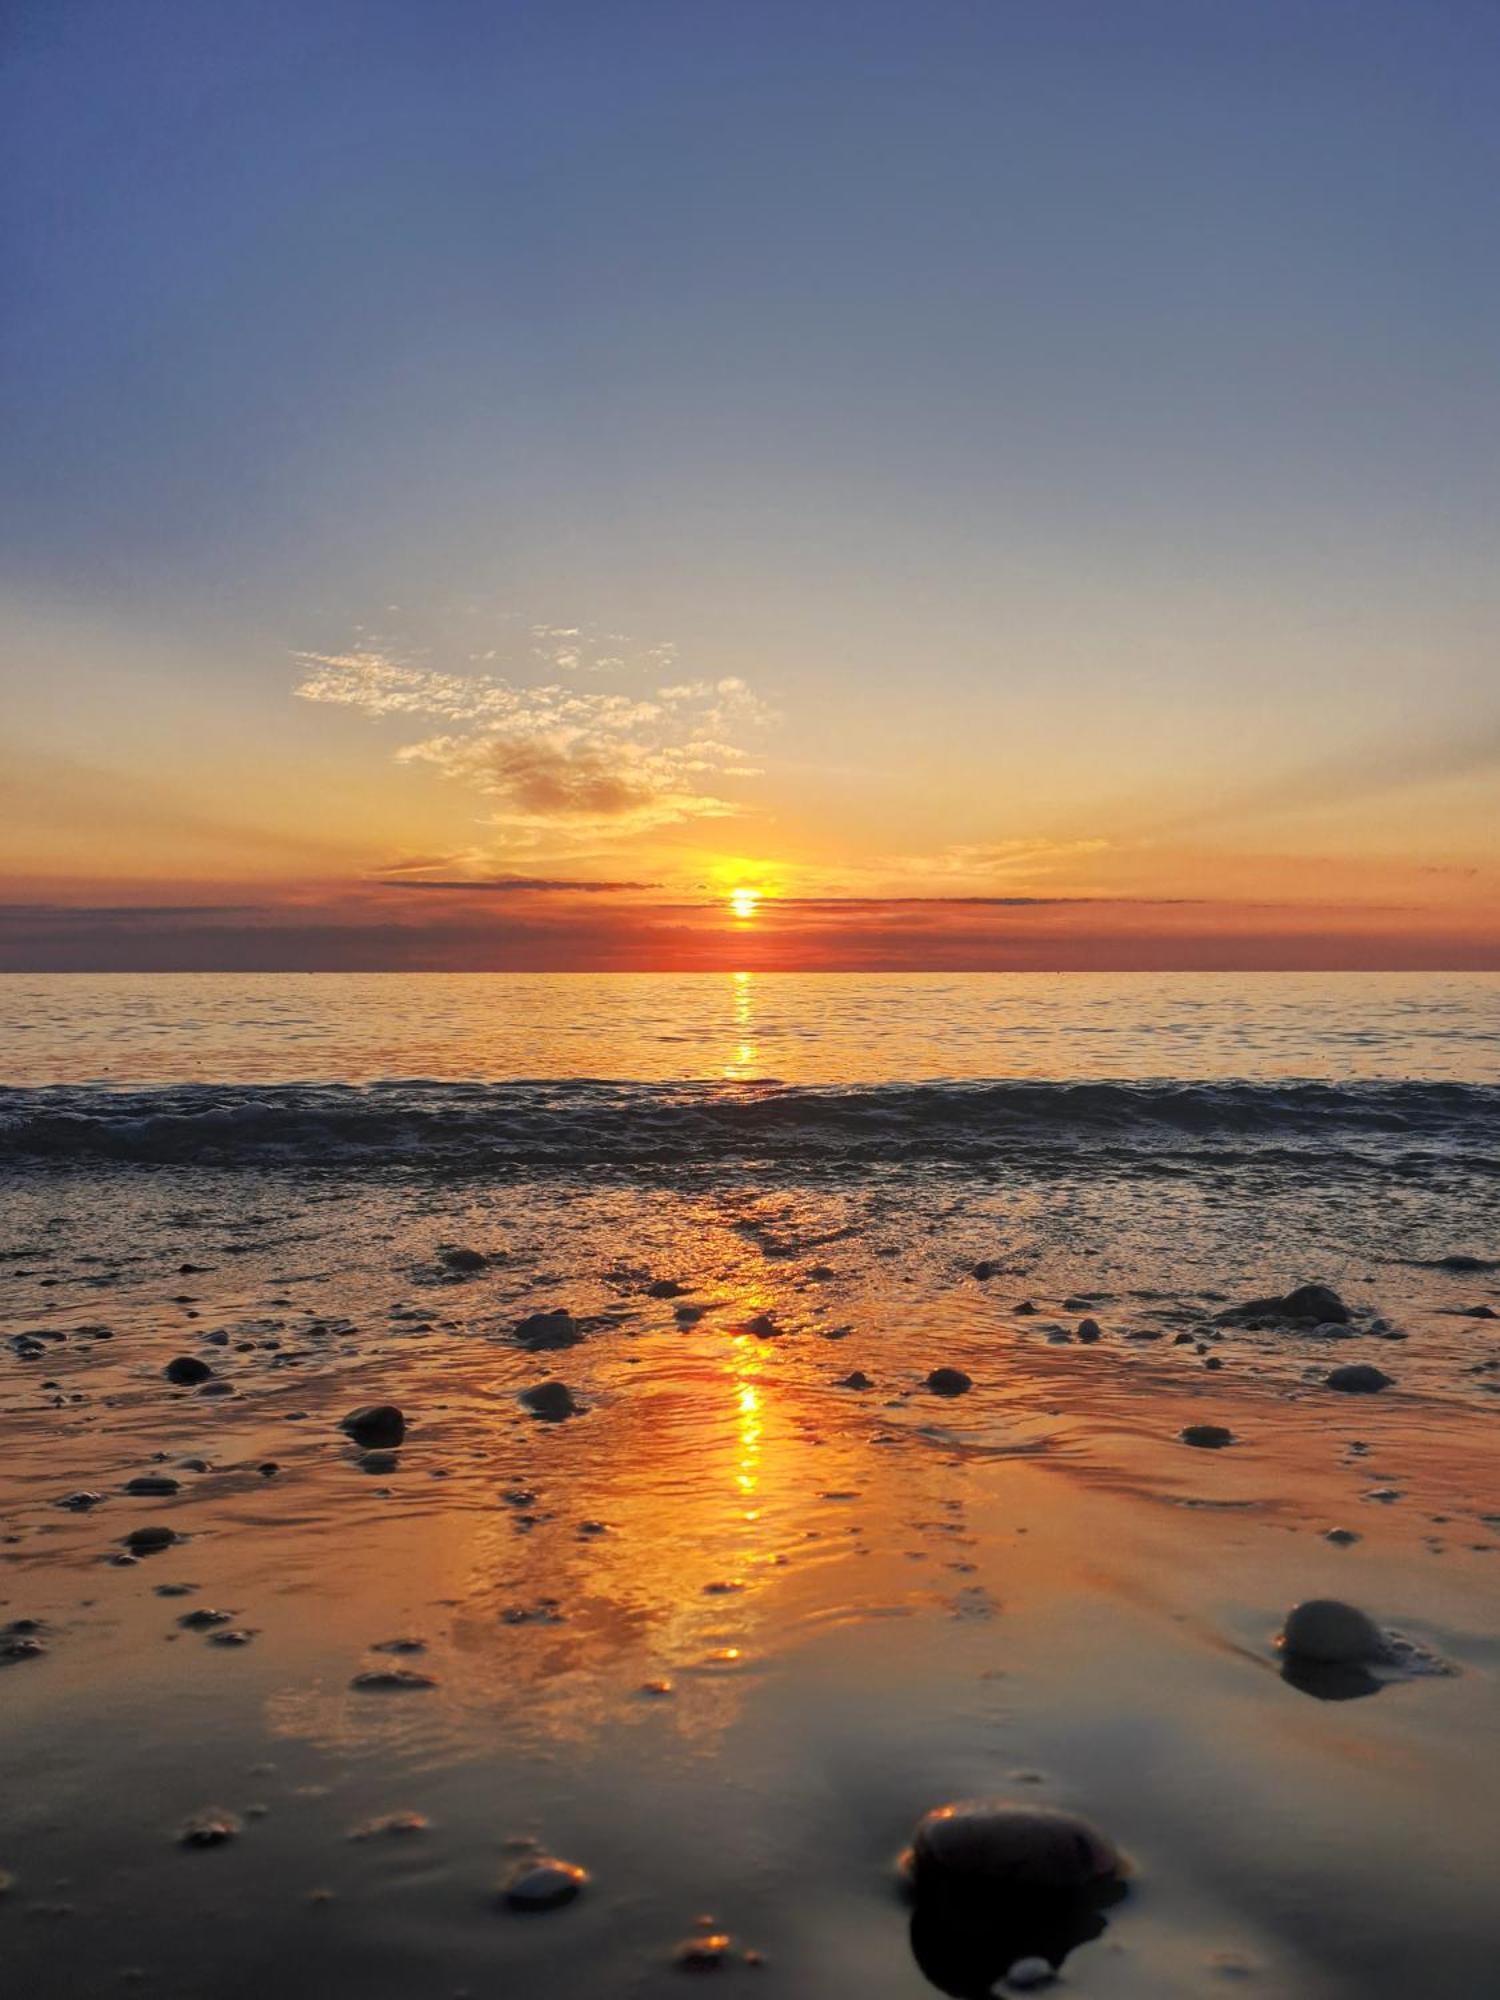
x=656 y=483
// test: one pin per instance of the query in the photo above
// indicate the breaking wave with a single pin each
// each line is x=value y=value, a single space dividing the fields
x=580 y=1124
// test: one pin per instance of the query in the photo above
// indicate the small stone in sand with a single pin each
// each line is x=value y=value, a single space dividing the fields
x=156 y=1483
x=1359 y=1378
x=1331 y=1633
x=543 y=1883
x=1208 y=1437
x=186 y=1370
x=240 y=1637
x=394 y=1823
x=146 y=1541
x=1342 y=1538
x=552 y=1401
x=949 y=1382
x=212 y=1827
x=543 y=1332
x=391 y=1680
x=1089 y=1329
x=376 y=1424
x=203 y=1620
x=989 y=1844
x=708 y=1953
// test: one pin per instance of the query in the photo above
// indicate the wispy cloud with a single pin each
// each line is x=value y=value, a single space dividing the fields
x=594 y=761
x=510 y=884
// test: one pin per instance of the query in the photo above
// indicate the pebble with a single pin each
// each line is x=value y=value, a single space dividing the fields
x=711 y=1951
x=1208 y=1437
x=544 y=1883
x=1330 y=1633
x=203 y=1620
x=186 y=1370
x=391 y=1680
x=552 y=1401
x=461 y=1259
x=394 y=1823
x=949 y=1382
x=1342 y=1538
x=858 y=1380
x=543 y=1332
x=147 y=1540
x=155 y=1483
x=212 y=1827
x=375 y=1423
x=1359 y=1378
x=1089 y=1329
x=991 y=1843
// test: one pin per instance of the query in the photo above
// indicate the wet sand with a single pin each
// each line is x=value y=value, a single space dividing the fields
x=723 y=1637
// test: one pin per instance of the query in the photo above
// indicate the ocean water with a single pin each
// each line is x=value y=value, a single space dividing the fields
x=1012 y=1073
x=723 y=1635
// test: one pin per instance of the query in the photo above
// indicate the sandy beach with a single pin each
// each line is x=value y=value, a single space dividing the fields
x=723 y=1634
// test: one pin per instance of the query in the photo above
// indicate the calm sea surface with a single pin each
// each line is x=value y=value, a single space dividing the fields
x=797 y=1029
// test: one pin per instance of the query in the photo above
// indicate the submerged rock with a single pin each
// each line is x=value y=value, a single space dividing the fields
x=552 y=1401
x=991 y=1844
x=375 y=1424
x=1330 y=1633
x=462 y=1259
x=1207 y=1437
x=1306 y=1305
x=858 y=1380
x=949 y=1382
x=160 y=1484
x=1089 y=1330
x=187 y=1371
x=543 y=1883
x=543 y=1332
x=1359 y=1378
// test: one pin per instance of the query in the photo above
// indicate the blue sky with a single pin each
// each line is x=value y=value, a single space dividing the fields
x=1029 y=396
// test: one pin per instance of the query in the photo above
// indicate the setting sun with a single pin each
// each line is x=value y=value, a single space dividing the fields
x=744 y=903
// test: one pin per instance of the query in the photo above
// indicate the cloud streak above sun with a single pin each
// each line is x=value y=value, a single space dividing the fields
x=605 y=764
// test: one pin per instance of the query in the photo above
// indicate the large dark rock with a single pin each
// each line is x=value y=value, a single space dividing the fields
x=187 y=1371
x=545 y=1332
x=996 y=1885
x=949 y=1382
x=375 y=1424
x=999 y=1845
x=1307 y=1305
x=552 y=1401
x=1331 y=1634
x=1359 y=1378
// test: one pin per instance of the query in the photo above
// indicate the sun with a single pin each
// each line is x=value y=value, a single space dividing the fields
x=744 y=903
